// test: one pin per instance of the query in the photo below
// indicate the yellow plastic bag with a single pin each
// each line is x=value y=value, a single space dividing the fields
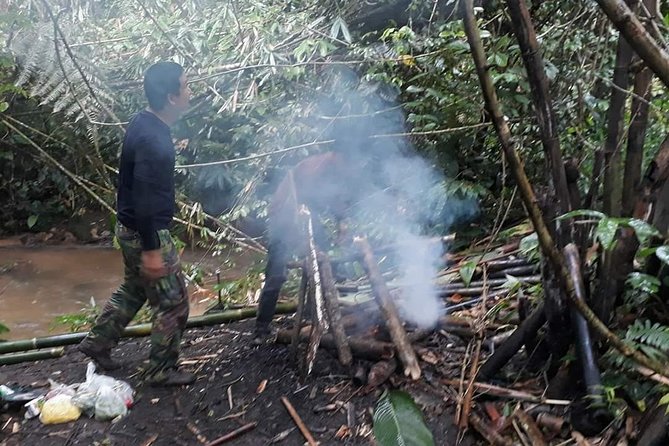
x=59 y=409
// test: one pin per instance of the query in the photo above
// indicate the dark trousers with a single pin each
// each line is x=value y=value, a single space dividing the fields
x=276 y=270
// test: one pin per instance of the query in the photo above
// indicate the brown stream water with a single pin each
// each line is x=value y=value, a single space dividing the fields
x=39 y=284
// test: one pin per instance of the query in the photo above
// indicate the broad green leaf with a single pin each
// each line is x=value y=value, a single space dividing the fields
x=32 y=220
x=645 y=252
x=643 y=230
x=3 y=106
x=662 y=253
x=606 y=232
x=512 y=283
x=467 y=270
x=399 y=422
x=3 y=328
x=582 y=213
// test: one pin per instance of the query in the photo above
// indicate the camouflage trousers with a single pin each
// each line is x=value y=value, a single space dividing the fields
x=167 y=296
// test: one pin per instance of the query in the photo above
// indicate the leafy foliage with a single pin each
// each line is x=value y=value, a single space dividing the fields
x=399 y=422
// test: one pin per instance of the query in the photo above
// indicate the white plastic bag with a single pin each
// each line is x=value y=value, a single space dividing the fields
x=109 y=404
x=87 y=393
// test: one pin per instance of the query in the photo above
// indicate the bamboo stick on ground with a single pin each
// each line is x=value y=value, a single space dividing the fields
x=140 y=329
x=331 y=296
x=503 y=392
x=391 y=317
x=298 y=421
x=486 y=431
x=232 y=435
x=16 y=358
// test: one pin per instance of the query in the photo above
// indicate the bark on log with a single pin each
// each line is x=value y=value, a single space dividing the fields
x=528 y=329
x=332 y=306
x=546 y=242
x=364 y=349
x=641 y=42
x=391 y=317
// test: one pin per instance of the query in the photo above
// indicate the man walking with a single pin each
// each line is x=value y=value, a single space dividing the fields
x=145 y=208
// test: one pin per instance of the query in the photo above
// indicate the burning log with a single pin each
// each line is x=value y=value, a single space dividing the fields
x=392 y=319
x=332 y=307
x=364 y=349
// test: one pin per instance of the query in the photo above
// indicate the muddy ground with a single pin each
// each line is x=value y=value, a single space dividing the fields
x=222 y=359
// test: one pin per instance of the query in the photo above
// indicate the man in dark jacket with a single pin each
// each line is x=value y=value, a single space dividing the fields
x=145 y=208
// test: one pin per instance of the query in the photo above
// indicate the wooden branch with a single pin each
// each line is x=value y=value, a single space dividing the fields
x=234 y=434
x=389 y=310
x=643 y=43
x=502 y=392
x=320 y=323
x=332 y=306
x=546 y=242
x=298 y=421
x=380 y=372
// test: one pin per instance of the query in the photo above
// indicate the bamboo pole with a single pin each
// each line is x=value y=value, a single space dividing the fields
x=140 y=329
x=15 y=358
x=390 y=315
x=546 y=242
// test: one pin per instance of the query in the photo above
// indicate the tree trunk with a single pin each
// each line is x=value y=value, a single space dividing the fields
x=544 y=237
x=612 y=145
x=543 y=107
x=640 y=40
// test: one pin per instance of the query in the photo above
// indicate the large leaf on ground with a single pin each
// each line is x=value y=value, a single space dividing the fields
x=399 y=422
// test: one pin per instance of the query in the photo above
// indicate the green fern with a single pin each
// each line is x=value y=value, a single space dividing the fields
x=652 y=339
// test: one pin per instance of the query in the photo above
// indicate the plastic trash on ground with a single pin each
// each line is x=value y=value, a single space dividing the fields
x=59 y=409
x=109 y=404
x=104 y=394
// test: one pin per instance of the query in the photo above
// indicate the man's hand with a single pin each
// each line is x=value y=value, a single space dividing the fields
x=153 y=267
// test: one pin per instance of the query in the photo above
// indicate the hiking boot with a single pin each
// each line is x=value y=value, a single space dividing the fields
x=101 y=356
x=171 y=377
x=263 y=335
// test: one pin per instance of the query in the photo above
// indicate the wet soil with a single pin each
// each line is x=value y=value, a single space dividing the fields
x=226 y=395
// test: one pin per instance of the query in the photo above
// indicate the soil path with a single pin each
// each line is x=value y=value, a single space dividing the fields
x=222 y=359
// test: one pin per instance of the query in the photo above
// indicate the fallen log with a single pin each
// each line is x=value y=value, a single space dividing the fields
x=517 y=271
x=139 y=330
x=364 y=349
x=332 y=307
x=391 y=317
